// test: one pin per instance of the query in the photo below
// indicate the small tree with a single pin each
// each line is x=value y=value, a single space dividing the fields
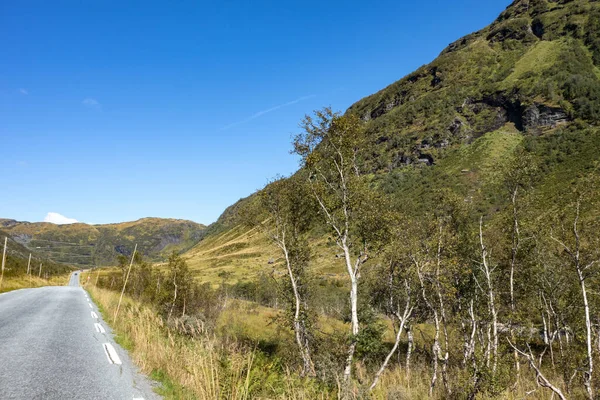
x=393 y=294
x=178 y=285
x=582 y=256
x=329 y=148
x=288 y=207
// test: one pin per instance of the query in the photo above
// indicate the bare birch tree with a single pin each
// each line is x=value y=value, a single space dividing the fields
x=541 y=379
x=397 y=290
x=490 y=290
x=581 y=264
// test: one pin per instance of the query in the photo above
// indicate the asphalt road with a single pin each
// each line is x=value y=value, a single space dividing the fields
x=54 y=345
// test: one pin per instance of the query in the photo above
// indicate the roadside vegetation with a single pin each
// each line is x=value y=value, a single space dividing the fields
x=24 y=282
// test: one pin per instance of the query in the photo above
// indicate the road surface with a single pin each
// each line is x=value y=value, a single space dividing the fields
x=54 y=345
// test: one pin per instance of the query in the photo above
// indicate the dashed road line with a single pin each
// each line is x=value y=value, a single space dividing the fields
x=89 y=304
x=99 y=328
x=94 y=315
x=111 y=354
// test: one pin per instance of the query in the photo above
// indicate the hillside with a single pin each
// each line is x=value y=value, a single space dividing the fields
x=92 y=245
x=451 y=217
x=526 y=85
x=17 y=259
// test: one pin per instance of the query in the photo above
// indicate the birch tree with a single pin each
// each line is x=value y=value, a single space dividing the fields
x=489 y=288
x=427 y=258
x=329 y=149
x=582 y=260
x=394 y=294
x=518 y=179
x=288 y=208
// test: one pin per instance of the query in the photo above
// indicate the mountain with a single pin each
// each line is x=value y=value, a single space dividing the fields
x=17 y=258
x=535 y=67
x=526 y=87
x=91 y=245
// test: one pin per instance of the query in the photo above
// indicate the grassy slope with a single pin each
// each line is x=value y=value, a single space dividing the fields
x=468 y=111
x=88 y=245
x=239 y=253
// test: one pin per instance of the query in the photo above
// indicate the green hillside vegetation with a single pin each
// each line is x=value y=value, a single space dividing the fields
x=446 y=227
x=94 y=245
x=533 y=71
x=42 y=271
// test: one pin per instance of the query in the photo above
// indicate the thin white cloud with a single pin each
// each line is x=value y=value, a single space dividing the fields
x=58 y=219
x=92 y=103
x=24 y=92
x=268 y=110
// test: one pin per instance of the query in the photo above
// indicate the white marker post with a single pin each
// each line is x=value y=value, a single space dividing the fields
x=3 y=261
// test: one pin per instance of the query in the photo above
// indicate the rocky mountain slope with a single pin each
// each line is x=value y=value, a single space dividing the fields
x=525 y=87
x=93 y=245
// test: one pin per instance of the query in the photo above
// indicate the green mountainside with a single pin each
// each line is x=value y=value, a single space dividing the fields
x=92 y=245
x=17 y=258
x=526 y=87
x=451 y=217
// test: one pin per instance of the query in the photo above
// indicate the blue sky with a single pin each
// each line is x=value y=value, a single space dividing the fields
x=116 y=110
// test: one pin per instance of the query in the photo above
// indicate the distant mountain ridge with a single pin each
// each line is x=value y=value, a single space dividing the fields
x=92 y=245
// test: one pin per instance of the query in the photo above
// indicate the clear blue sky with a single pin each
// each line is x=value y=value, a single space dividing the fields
x=117 y=110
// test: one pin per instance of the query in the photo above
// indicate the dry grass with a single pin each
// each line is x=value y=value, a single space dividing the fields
x=24 y=281
x=241 y=254
x=201 y=366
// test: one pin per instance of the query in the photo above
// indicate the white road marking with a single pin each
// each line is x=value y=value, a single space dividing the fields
x=111 y=354
x=99 y=328
x=89 y=304
x=94 y=315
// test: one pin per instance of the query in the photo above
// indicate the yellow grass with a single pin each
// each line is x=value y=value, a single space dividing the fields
x=24 y=281
x=203 y=367
x=241 y=254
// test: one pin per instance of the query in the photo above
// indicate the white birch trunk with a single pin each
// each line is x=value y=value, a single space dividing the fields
x=493 y=329
x=402 y=319
x=299 y=332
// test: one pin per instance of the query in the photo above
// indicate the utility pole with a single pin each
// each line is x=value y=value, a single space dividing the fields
x=3 y=261
x=125 y=284
x=40 y=273
x=29 y=264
